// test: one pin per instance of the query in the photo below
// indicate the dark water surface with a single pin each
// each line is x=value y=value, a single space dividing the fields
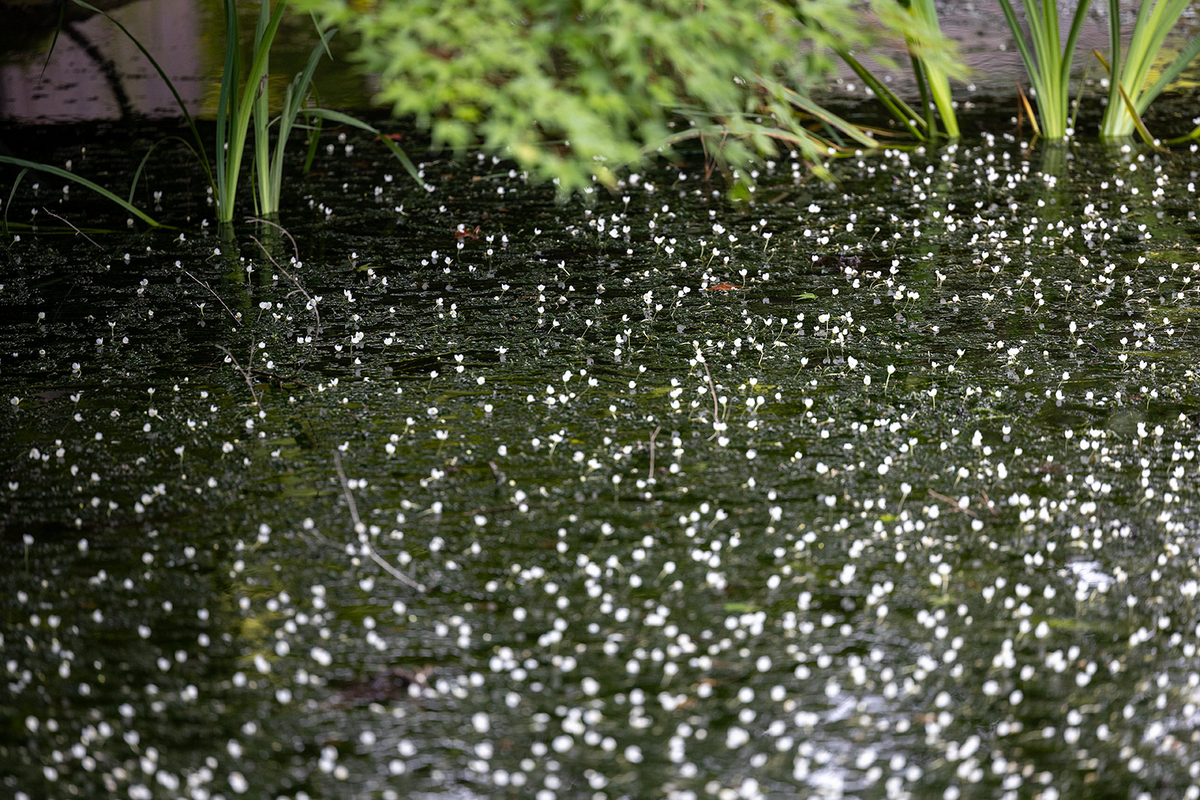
x=909 y=511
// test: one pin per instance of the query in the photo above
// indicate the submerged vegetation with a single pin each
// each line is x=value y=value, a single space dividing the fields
x=884 y=486
x=882 y=489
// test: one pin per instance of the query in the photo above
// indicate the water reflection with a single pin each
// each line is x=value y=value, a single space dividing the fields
x=96 y=73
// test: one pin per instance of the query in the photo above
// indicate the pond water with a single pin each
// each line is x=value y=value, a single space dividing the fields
x=878 y=489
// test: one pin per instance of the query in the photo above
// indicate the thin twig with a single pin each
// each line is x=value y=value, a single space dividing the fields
x=987 y=502
x=652 y=437
x=241 y=369
x=954 y=506
x=370 y=551
x=288 y=275
x=64 y=219
x=713 y=390
x=283 y=230
x=214 y=294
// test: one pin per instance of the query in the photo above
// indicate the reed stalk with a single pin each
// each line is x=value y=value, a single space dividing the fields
x=1048 y=63
x=243 y=105
x=1129 y=90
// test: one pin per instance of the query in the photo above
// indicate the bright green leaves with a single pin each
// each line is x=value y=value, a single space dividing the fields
x=1130 y=90
x=575 y=90
x=1048 y=62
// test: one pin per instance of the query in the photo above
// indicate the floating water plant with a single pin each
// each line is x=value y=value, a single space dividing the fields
x=677 y=543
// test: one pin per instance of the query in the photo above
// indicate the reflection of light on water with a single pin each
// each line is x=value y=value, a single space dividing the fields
x=828 y=783
x=1089 y=578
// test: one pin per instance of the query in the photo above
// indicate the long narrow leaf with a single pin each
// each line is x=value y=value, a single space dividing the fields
x=809 y=107
x=1172 y=72
x=191 y=123
x=261 y=114
x=1049 y=63
x=62 y=15
x=345 y=119
x=1187 y=137
x=294 y=98
x=239 y=127
x=901 y=111
x=137 y=174
x=84 y=182
x=1079 y=95
x=1013 y=25
x=923 y=93
x=1037 y=131
x=1114 y=51
x=935 y=75
x=1137 y=121
x=1072 y=38
x=1128 y=95
x=314 y=141
x=13 y=193
x=227 y=112
x=807 y=143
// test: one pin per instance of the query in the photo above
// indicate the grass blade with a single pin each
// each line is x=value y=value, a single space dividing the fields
x=833 y=120
x=1137 y=121
x=1176 y=68
x=227 y=112
x=1033 y=120
x=294 y=98
x=1013 y=25
x=346 y=119
x=1187 y=137
x=191 y=123
x=13 y=193
x=261 y=116
x=936 y=77
x=239 y=125
x=901 y=111
x=62 y=15
x=314 y=140
x=1072 y=38
x=84 y=182
x=142 y=165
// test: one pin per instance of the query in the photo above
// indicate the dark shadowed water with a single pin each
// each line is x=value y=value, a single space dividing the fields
x=880 y=489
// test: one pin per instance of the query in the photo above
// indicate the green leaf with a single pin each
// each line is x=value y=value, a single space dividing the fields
x=84 y=182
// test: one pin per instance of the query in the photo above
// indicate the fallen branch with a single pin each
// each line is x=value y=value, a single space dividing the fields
x=64 y=219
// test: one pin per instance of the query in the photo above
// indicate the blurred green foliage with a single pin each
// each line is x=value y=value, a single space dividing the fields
x=572 y=89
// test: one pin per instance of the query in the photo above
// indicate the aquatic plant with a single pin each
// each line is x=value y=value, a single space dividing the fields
x=27 y=166
x=240 y=105
x=235 y=115
x=934 y=61
x=573 y=91
x=1128 y=93
x=1048 y=64
x=682 y=541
